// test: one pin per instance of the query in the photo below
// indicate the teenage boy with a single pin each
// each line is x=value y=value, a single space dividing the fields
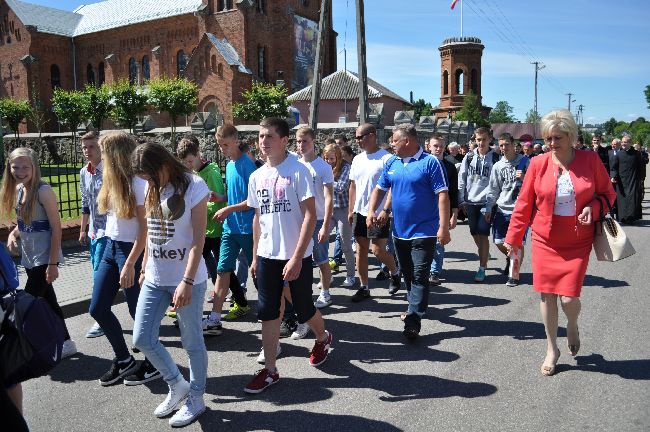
x=237 y=232
x=416 y=180
x=473 y=182
x=93 y=223
x=323 y=177
x=506 y=180
x=281 y=192
x=364 y=173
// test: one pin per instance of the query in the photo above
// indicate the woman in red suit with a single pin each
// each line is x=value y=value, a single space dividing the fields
x=559 y=198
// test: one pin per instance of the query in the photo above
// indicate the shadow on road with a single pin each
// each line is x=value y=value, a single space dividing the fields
x=627 y=369
x=598 y=281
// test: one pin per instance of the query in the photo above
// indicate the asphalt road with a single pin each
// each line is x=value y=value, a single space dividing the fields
x=475 y=367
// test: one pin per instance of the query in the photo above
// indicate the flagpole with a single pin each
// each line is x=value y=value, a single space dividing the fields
x=461 y=18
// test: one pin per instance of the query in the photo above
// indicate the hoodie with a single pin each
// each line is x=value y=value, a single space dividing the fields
x=504 y=184
x=474 y=177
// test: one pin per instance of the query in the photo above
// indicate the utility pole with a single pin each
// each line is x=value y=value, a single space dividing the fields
x=361 y=57
x=580 y=115
x=318 y=66
x=570 y=94
x=538 y=67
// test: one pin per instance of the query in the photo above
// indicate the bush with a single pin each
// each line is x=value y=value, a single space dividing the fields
x=175 y=96
x=128 y=101
x=96 y=104
x=14 y=112
x=69 y=108
x=261 y=101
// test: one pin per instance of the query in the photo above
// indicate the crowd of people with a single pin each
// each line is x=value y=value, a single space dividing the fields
x=159 y=225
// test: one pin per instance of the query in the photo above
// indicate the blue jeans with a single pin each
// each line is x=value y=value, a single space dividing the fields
x=415 y=258
x=152 y=304
x=338 y=251
x=241 y=270
x=105 y=288
x=438 y=257
x=97 y=247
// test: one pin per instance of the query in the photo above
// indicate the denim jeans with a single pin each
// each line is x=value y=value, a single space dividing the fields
x=415 y=258
x=344 y=235
x=152 y=304
x=97 y=247
x=438 y=257
x=338 y=251
x=390 y=247
x=241 y=270
x=105 y=288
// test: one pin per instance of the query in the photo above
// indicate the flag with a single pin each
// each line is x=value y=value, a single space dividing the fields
x=453 y=3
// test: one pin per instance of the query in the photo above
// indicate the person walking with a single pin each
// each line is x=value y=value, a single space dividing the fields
x=626 y=172
x=560 y=197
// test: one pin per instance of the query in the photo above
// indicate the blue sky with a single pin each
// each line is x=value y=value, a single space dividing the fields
x=595 y=49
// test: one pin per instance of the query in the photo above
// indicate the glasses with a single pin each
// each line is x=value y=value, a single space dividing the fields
x=360 y=137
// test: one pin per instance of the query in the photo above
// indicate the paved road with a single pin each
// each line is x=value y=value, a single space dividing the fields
x=476 y=366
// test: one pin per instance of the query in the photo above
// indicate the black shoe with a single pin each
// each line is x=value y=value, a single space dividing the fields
x=118 y=371
x=287 y=328
x=381 y=276
x=135 y=349
x=146 y=372
x=361 y=294
x=412 y=326
x=512 y=282
x=395 y=284
x=506 y=270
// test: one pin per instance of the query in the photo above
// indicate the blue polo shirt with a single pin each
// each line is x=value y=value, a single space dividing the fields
x=415 y=182
x=237 y=174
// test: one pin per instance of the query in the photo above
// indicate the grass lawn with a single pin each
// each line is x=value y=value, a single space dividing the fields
x=64 y=180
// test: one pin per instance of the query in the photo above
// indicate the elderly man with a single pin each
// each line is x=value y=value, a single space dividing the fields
x=415 y=179
x=454 y=155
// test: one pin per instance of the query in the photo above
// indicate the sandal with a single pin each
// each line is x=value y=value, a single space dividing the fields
x=549 y=370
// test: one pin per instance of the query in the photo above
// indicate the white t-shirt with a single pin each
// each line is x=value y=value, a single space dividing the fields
x=321 y=171
x=277 y=192
x=126 y=230
x=169 y=241
x=565 y=196
x=365 y=171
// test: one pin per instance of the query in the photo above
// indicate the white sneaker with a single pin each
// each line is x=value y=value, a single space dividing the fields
x=177 y=393
x=69 y=349
x=302 y=331
x=349 y=282
x=190 y=411
x=261 y=359
x=323 y=301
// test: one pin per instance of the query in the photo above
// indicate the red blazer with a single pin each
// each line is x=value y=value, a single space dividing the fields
x=536 y=200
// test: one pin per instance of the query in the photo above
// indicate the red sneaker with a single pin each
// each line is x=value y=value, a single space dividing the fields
x=320 y=351
x=263 y=379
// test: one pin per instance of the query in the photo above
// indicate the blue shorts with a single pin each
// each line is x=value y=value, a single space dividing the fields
x=231 y=245
x=320 y=253
x=476 y=219
x=97 y=247
x=500 y=223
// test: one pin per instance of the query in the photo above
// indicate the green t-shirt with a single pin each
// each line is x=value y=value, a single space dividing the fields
x=211 y=174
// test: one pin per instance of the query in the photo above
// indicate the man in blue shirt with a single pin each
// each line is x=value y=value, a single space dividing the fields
x=420 y=207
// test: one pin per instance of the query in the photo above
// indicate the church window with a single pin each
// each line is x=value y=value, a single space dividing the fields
x=55 y=76
x=146 y=71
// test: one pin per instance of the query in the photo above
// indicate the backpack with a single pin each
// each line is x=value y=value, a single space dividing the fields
x=8 y=272
x=495 y=157
x=31 y=337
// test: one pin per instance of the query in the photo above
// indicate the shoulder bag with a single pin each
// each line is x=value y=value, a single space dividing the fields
x=610 y=241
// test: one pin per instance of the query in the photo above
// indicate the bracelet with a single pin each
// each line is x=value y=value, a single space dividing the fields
x=188 y=278
x=187 y=281
x=53 y=264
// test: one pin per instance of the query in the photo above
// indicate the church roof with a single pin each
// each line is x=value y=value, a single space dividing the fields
x=228 y=52
x=100 y=16
x=344 y=84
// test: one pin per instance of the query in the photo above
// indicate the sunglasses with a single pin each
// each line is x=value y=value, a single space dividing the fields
x=360 y=137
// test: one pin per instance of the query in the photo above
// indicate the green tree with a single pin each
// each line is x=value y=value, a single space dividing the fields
x=69 y=108
x=501 y=113
x=14 y=113
x=471 y=111
x=609 y=126
x=261 y=101
x=175 y=96
x=647 y=95
x=532 y=117
x=129 y=101
x=96 y=104
x=422 y=108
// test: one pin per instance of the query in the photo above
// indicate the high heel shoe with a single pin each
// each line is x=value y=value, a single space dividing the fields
x=547 y=370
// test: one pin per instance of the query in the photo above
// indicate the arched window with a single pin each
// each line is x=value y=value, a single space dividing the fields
x=220 y=70
x=474 y=83
x=213 y=64
x=445 y=82
x=90 y=74
x=460 y=81
x=261 y=63
x=55 y=76
x=101 y=74
x=181 y=62
x=146 y=73
x=133 y=71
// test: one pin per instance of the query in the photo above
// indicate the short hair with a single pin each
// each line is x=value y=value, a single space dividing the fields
x=368 y=128
x=227 y=130
x=329 y=141
x=407 y=130
x=437 y=136
x=561 y=120
x=483 y=131
x=280 y=125
x=306 y=130
x=598 y=135
x=246 y=145
x=187 y=147
x=506 y=137
x=453 y=145
x=348 y=149
x=341 y=137
x=90 y=135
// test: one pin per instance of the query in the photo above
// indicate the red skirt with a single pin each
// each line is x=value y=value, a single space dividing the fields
x=560 y=263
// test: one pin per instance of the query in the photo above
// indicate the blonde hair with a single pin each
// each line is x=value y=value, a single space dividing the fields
x=117 y=192
x=334 y=148
x=561 y=120
x=9 y=184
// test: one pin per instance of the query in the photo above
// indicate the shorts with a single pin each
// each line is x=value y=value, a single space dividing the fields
x=476 y=220
x=500 y=223
x=320 y=252
x=361 y=229
x=231 y=245
x=270 y=286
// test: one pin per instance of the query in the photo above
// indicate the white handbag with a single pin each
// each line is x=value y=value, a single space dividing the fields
x=610 y=241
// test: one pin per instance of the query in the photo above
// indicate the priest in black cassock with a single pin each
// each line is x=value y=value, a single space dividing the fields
x=626 y=171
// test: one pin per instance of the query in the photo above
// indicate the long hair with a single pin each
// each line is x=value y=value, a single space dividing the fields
x=117 y=192
x=9 y=184
x=333 y=148
x=149 y=160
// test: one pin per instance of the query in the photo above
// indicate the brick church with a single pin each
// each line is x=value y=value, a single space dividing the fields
x=222 y=45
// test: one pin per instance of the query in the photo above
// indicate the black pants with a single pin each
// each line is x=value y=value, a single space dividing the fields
x=211 y=257
x=415 y=258
x=38 y=287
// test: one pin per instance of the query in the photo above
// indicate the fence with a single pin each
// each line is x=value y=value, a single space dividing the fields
x=62 y=173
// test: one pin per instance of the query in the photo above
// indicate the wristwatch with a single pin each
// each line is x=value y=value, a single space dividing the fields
x=388 y=210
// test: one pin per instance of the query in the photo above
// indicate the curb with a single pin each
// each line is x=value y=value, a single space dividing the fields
x=80 y=306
